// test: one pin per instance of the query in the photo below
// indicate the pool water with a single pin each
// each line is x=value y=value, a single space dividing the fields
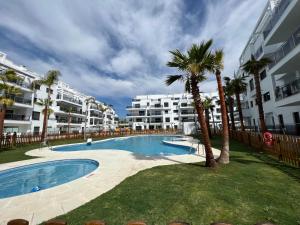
x=31 y=178
x=144 y=145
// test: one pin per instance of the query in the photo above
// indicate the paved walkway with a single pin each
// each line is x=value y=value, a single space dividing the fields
x=115 y=166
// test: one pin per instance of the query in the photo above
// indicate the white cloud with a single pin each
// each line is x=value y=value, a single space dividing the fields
x=127 y=42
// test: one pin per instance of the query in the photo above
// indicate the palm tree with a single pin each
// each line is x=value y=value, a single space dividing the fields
x=195 y=64
x=239 y=86
x=217 y=67
x=228 y=90
x=253 y=67
x=8 y=93
x=50 y=79
x=208 y=107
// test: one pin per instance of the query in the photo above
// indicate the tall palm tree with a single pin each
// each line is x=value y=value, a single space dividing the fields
x=50 y=79
x=239 y=86
x=7 y=93
x=217 y=67
x=208 y=107
x=194 y=65
x=254 y=67
x=228 y=90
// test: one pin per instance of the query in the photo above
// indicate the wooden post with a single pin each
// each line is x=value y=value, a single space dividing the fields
x=56 y=222
x=18 y=222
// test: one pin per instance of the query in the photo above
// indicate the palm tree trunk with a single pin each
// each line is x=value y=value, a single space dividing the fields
x=238 y=100
x=231 y=112
x=207 y=122
x=210 y=160
x=213 y=118
x=224 y=156
x=69 y=121
x=2 y=118
x=263 y=127
x=45 y=121
x=44 y=124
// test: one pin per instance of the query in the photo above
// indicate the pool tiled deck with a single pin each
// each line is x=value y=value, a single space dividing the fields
x=115 y=166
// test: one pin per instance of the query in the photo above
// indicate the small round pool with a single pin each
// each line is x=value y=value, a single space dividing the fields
x=41 y=176
x=148 y=145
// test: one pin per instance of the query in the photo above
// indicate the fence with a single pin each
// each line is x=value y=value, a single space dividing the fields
x=10 y=141
x=100 y=222
x=285 y=147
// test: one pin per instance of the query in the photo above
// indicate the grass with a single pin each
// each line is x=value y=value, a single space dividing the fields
x=252 y=188
x=18 y=153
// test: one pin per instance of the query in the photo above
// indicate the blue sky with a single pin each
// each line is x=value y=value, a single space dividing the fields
x=118 y=49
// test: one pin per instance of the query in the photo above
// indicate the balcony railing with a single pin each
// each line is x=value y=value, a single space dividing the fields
x=66 y=121
x=286 y=48
x=71 y=111
x=21 y=100
x=17 y=117
x=287 y=90
x=277 y=13
x=69 y=99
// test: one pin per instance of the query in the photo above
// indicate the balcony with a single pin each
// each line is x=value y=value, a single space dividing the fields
x=292 y=63
x=136 y=107
x=277 y=13
x=21 y=100
x=96 y=115
x=69 y=99
x=287 y=90
x=67 y=110
x=63 y=120
x=18 y=117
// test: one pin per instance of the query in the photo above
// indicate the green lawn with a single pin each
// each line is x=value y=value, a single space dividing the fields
x=252 y=188
x=18 y=153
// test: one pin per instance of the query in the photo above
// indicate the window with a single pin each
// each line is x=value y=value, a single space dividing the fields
x=263 y=75
x=166 y=104
x=251 y=84
x=166 y=111
x=183 y=104
x=139 y=120
x=218 y=110
x=175 y=118
x=267 y=97
x=137 y=106
x=35 y=115
x=175 y=103
x=251 y=103
x=175 y=111
x=218 y=117
x=36 y=130
x=51 y=91
x=35 y=100
x=167 y=119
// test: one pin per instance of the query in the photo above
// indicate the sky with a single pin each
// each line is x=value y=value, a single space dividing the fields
x=115 y=50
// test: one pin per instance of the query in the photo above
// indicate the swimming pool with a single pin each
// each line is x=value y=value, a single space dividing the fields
x=41 y=176
x=150 y=145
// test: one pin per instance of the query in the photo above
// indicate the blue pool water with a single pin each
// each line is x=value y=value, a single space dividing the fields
x=144 y=145
x=31 y=178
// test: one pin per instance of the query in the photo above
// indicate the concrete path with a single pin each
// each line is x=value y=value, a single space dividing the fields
x=115 y=166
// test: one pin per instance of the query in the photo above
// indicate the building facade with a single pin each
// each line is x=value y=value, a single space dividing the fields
x=276 y=36
x=176 y=111
x=70 y=110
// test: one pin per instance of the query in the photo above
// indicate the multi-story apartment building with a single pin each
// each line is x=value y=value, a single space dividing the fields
x=174 y=111
x=276 y=36
x=69 y=106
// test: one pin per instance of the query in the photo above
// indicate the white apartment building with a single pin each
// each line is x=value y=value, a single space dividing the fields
x=174 y=111
x=276 y=36
x=26 y=117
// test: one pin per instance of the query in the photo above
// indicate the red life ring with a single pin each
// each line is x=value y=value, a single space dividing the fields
x=268 y=138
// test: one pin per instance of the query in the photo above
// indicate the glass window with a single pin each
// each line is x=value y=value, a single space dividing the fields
x=251 y=84
x=35 y=115
x=267 y=96
x=263 y=75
